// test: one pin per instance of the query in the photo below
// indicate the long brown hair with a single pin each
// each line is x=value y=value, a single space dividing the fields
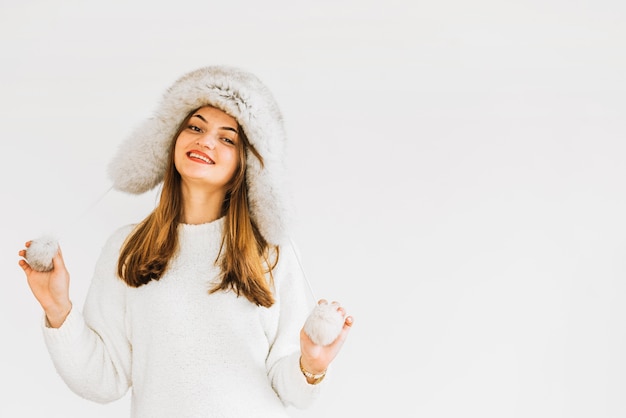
x=244 y=256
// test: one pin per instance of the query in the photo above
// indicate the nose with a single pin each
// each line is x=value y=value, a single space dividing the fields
x=207 y=141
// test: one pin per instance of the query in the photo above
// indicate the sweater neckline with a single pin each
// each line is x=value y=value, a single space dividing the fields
x=201 y=237
x=201 y=229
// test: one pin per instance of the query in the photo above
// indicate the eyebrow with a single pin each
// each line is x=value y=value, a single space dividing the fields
x=227 y=128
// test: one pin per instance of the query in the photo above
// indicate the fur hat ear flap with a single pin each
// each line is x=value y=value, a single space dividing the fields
x=141 y=160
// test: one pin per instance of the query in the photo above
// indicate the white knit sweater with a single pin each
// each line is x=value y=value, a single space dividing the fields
x=185 y=352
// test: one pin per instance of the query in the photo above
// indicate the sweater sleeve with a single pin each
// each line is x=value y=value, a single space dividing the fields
x=294 y=303
x=91 y=351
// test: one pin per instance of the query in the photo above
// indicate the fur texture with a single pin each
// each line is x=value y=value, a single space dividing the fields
x=141 y=159
x=324 y=324
x=40 y=253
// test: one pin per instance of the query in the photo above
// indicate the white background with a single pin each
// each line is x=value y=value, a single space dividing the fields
x=459 y=183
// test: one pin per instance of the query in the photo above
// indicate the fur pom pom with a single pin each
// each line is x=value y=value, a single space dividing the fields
x=324 y=324
x=40 y=253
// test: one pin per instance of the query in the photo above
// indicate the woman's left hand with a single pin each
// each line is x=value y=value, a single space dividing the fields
x=316 y=358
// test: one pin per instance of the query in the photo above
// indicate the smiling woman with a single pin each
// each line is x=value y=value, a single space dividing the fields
x=203 y=302
x=208 y=151
x=207 y=155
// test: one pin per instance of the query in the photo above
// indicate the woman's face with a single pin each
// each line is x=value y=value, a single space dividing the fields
x=207 y=150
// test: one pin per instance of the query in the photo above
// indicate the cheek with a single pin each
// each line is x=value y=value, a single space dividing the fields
x=178 y=153
x=233 y=159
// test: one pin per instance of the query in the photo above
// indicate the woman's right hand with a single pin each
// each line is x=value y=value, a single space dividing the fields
x=51 y=288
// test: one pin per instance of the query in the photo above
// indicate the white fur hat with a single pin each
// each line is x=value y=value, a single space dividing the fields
x=141 y=159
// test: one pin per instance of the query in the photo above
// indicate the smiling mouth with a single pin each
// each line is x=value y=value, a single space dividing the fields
x=200 y=157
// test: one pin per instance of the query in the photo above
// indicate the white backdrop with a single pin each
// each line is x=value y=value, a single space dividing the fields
x=458 y=171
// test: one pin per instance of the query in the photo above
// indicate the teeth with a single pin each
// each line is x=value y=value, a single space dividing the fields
x=200 y=157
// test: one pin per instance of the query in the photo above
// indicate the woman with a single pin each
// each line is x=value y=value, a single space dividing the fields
x=199 y=308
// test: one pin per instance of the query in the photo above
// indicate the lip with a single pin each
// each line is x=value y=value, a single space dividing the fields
x=200 y=157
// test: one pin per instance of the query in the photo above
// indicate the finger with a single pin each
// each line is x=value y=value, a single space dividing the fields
x=341 y=338
x=322 y=302
x=347 y=325
x=27 y=244
x=57 y=260
x=25 y=266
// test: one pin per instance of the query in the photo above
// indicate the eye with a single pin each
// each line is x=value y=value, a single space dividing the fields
x=194 y=128
x=228 y=141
